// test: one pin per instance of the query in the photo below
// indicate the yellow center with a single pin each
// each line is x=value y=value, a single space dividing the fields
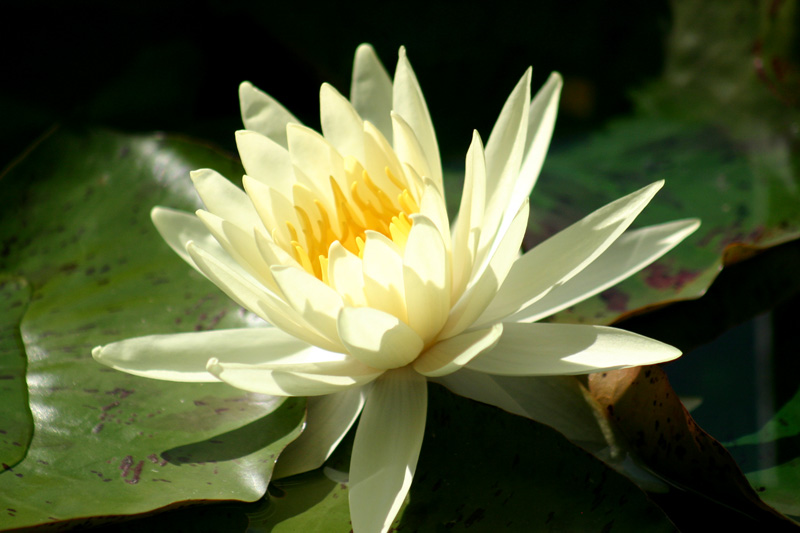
x=369 y=207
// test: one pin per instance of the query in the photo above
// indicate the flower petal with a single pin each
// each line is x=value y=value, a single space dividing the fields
x=378 y=339
x=371 y=90
x=449 y=355
x=484 y=286
x=183 y=356
x=541 y=120
x=466 y=233
x=328 y=419
x=302 y=379
x=341 y=125
x=409 y=103
x=248 y=293
x=262 y=113
x=564 y=349
x=316 y=160
x=557 y=401
x=225 y=199
x=386 y=449
x=383 y=275
x=426 y=275
x=345 y=275
x=504 y=151
x=408 y=148
x=315 y=301
x=265 y=160
x=177 y=228
x=630 y=253
x=566 y=253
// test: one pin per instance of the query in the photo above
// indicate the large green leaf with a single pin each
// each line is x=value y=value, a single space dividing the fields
x=16 y=424
x=523 y=477
x=76 y=226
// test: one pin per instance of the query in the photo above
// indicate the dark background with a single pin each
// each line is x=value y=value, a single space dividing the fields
x=176 y=66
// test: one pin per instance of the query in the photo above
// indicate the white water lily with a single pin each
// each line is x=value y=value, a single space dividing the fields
x=341 y=242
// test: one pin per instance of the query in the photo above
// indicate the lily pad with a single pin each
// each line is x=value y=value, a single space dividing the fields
x=16 y=423
x=535 y=480
x=76 y=226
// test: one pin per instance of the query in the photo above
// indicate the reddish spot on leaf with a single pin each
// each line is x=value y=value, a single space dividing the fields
x=659 y=277
x=615 y=299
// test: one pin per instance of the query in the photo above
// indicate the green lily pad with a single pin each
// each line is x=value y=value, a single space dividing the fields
x=16 y=423
x=776 y=473
x=526 y=477
x=76 y=226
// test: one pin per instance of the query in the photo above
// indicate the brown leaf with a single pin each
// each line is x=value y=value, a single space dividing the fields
x=640 y=403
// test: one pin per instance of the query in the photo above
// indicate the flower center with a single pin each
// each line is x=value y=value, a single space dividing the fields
x=363 y=206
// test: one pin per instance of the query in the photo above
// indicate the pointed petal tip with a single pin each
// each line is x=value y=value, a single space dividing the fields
x=97 y=352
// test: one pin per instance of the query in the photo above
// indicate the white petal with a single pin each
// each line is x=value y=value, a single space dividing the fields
x=345 y=275
x=310 y=379
x=262 y=113
x=183 y=356
x=447 y=356
x=408 y=148
x=317 y=160
x=265 y=160
x=558 y=401
x=541 y=120
x=241 y=246
x=485 y=285
x=466 y=233
x=225 y=199
x=275 y=209
x=564 y=349
x=328 y=419
x=341 y=125
x=630 y=253
x=504 y=152
x=408 y=102
x=248 y=293
x=386 y=449
x=426 y=274
x=315 y=301
x=566 y=253
x=383 y=275
x=371 y=90
x=177 y=228
x=433 y=206
x=378 y=339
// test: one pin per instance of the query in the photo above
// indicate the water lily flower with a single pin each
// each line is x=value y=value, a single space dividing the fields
x=341 y=242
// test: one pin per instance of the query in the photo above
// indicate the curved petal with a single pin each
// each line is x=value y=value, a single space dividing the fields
x=328 y=419
x=409 y=103
x=299 y=379
x=467 y=228
x=341 y=125
x=484 y=286
x=317 y=160
x=386 y=448
x=378 y=339
x=251 y=295
x=183 y=356
x=262 y=113
x=541 y=120
x=225 y=199
x=345 y=275
x=630 y=253
x=265 y=160
x=316 y=302
x=383 y=275
x=426 y=275
x=565 y=349
x=408 y=148
x=178 y=228
x=371 y=90
x=449 y=355
x=504 y=151
x=558 y=401
x=566 y=253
